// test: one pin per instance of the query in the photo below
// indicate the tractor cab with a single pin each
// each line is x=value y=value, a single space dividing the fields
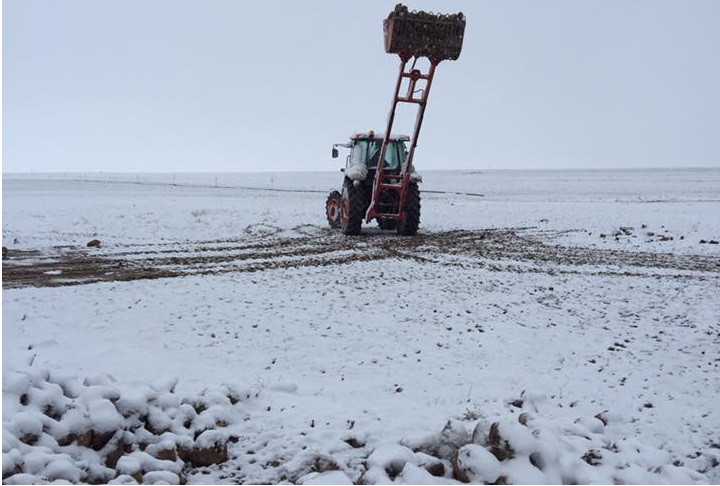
x=365 y=151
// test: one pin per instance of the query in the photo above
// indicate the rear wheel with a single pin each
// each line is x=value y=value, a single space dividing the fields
x=352 y=208
x=333 y=209
x=412 y=212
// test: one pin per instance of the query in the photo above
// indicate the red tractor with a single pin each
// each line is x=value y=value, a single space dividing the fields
x=388 y=190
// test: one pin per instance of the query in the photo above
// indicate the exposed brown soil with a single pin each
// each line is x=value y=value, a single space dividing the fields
x=500 y=249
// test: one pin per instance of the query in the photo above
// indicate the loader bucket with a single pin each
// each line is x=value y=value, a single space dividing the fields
x=422 y=34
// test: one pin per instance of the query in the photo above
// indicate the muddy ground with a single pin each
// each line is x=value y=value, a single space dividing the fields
x=266 y=247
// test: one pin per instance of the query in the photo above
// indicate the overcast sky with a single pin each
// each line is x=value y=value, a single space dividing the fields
x=111 y=85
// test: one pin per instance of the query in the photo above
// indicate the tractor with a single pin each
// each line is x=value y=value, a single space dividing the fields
x=380 y=180
x=346 y=209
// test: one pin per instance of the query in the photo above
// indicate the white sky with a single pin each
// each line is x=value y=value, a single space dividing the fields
x=131 y=85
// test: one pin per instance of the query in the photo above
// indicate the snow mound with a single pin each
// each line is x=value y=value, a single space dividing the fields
x=62 y=429
x=527 y=448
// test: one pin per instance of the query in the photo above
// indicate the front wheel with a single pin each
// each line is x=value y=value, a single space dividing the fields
x=333 y=209
x=412 y=212
x=352 y=208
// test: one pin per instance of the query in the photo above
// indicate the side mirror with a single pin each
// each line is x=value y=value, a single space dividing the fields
x=334 y=153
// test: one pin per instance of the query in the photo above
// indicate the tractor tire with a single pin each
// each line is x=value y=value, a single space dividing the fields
x=387 y=224
x=412 y=212
x=333 y=210
x=352 y=208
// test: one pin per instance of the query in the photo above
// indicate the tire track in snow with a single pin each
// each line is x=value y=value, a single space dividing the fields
x=520 y=250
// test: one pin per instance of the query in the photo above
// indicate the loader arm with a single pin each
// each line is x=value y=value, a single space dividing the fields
x=412 y=35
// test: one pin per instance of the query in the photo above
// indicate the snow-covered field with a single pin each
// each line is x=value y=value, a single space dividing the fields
x=544 y=326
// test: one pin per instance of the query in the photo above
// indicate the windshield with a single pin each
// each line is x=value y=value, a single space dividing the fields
x=370 y=152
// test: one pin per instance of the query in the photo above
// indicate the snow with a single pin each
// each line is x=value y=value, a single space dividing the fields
x=510 y=339
x=379 y=135
x=481 y=464
x=328 y=477
x=356 y=172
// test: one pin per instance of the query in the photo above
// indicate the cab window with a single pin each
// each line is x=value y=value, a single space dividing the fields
x=369 y=152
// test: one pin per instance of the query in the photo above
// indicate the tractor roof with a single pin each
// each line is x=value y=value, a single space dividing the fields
x=378 y=136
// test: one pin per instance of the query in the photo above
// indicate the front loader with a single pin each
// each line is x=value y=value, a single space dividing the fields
x=380 y=180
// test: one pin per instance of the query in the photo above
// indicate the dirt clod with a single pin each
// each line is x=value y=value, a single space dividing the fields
x=499 y=446
x=207 y=456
